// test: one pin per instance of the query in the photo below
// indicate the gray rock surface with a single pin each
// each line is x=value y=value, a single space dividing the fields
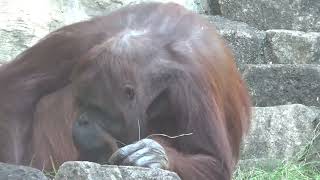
x=22 y=24
x=12 y=172
x=246 y=42
x=281 y=132
x=77 y=170
x=292 y=47
x=300 y=15
x=279 y=84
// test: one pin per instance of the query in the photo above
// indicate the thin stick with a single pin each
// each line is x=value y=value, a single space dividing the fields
x=32 y=159
x=43 y=165
x=171 y=137
x=53 y=165
x=139 y=129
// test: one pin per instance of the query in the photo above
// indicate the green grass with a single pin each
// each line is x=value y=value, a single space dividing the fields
x=286 y=171
x=301 y=167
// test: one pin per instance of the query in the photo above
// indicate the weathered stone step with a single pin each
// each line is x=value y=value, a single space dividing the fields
x=300 y=15
x=246 y=42
x=292 y=47
x=252 y=46
x=283 y=132
x=280 y=84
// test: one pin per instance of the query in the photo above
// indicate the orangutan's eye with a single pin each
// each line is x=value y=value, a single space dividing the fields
x=129 y=92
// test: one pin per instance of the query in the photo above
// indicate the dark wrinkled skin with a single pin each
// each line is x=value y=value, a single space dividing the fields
x=144 y=153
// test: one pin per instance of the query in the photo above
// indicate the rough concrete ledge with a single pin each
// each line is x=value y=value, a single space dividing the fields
x=246 y=42
x=302 y=15
x=81 y=170
x=14 y=172
x=283 y=133
x=292 y=47
x=280 y=84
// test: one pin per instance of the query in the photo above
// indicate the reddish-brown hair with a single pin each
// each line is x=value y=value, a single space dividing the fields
x=207 y=95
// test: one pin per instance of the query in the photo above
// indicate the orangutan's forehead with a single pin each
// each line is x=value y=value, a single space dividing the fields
x=130 y=43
